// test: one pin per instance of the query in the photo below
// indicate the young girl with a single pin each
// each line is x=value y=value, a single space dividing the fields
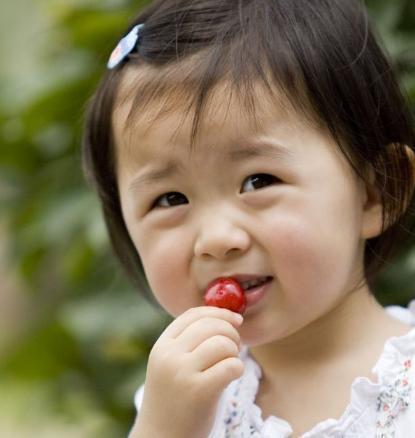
x=265 y=141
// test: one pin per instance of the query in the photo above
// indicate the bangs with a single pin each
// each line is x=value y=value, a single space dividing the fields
x=203 y=86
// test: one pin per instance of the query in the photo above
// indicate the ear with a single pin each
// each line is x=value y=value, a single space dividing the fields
x=411 y=155
x=372 y=208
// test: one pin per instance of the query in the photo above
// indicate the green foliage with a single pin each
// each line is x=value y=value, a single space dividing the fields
x=78 y=335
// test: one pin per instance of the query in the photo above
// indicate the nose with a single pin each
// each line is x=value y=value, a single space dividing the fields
x=220 y=238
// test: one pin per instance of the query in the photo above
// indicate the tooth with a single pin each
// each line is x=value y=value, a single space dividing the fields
x=252 y=283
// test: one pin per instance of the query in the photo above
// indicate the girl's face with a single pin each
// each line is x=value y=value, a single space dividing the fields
x=280 y=202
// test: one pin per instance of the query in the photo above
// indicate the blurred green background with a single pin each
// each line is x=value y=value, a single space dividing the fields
x=74 y=334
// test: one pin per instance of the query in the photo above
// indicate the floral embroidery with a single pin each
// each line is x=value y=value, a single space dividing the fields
x=235 y=421
x=232 y=418
x=393 y=400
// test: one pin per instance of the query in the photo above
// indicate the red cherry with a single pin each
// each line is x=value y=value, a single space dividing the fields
x=226 y=293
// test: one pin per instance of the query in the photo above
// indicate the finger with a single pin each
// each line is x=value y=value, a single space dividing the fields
x=185 y=319
x=212 y=351
x=203 y=329
x=219 y=375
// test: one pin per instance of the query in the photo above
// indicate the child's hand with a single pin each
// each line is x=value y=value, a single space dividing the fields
x=190 y=365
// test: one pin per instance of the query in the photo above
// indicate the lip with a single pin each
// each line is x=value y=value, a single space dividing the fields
x=256 y=294
x=240 y=278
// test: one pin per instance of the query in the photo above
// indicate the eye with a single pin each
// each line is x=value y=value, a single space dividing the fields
x=170 y=199
x=258 y=181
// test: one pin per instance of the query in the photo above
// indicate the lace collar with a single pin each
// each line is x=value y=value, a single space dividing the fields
x=387 y=398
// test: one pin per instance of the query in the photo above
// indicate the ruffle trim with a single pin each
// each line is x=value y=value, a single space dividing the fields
x=390 y=394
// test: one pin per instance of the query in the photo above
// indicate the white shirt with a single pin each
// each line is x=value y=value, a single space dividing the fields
x=385 y=409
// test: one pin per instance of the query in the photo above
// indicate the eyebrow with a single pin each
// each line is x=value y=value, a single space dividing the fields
x=240 y=153
x=171 y=168
x=262 y=149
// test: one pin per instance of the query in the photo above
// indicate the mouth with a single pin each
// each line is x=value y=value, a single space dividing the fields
x=248 y=282
x=252 y=284
x=254 y=287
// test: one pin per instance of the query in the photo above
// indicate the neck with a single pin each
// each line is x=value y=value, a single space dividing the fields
x=345 y=333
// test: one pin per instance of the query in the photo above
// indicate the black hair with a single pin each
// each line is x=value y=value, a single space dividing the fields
x=323 y=55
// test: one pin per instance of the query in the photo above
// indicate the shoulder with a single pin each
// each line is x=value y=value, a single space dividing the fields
x=399 y=351
x=403 y=314
x=138 y=397
x=395 y=407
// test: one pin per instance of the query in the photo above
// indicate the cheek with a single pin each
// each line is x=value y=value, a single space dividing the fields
x=310 y=260
x=165 y=263
x=297 y=251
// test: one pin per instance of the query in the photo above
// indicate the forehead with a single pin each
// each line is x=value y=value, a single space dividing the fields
x=146 y=121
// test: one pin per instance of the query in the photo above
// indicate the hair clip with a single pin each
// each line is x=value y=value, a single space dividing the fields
x=125 y=46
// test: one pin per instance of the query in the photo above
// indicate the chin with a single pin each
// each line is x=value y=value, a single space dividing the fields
x=255 y=340
x=262 y=336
